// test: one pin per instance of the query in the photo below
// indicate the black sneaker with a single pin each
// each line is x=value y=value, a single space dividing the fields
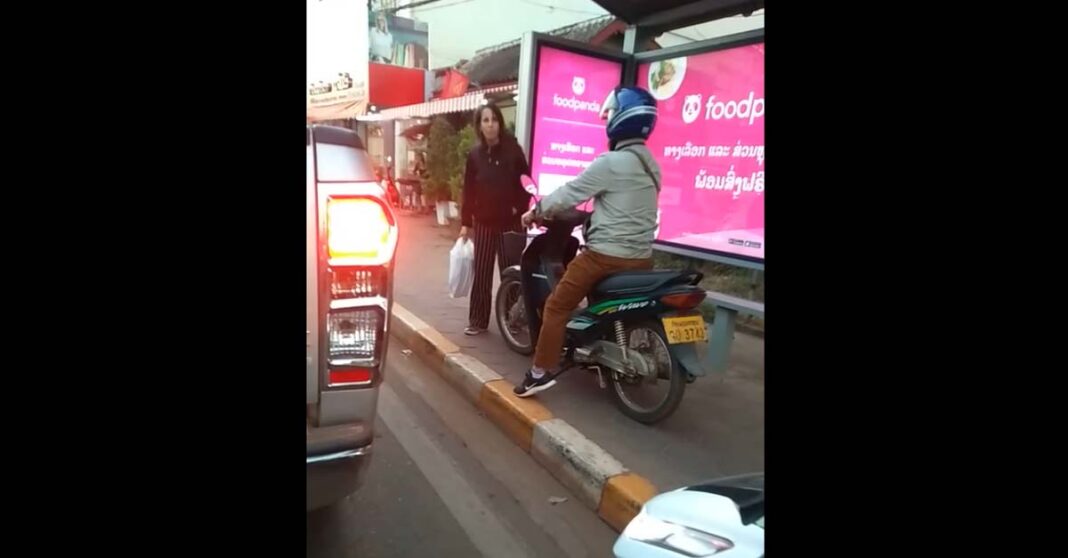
x=532 y=385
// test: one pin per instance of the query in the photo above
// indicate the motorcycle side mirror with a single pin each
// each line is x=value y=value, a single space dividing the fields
x=529 y=185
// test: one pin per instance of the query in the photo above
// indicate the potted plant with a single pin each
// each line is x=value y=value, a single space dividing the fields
x=441 y=164
x=466 y=139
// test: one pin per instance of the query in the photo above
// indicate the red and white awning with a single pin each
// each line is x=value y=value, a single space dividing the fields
x=463 y=103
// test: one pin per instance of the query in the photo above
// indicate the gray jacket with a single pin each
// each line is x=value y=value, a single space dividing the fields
x=624 y=201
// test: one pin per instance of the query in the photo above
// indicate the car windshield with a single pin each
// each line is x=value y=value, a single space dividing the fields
x=747 y=492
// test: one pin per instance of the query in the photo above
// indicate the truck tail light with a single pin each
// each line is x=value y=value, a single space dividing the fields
x=357 y=282
x=353 y=334
x=359 y=232
x=359 y=239
x=343 y=376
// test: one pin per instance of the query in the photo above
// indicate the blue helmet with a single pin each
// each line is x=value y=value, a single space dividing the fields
x=630 y=112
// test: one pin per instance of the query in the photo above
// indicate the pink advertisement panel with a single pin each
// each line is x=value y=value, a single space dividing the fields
x=709 y=141
x=568 y=132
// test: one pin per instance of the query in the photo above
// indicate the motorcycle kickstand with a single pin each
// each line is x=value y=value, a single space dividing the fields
x=600 y=377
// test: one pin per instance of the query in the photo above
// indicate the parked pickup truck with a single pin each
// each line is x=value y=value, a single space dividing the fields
x=351 y=240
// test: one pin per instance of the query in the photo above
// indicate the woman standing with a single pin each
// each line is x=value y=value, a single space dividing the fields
x=493 y=201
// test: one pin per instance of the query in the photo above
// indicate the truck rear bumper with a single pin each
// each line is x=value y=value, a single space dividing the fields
x=337 y=457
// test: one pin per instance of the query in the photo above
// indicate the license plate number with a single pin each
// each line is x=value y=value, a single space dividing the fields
x=685 y=329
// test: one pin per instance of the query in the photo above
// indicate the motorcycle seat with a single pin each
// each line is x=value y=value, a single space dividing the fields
x=630 y=282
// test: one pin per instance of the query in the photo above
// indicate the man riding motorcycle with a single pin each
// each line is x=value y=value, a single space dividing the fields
x=624 y=183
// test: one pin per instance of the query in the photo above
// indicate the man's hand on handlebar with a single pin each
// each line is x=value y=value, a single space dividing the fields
x=528 y=218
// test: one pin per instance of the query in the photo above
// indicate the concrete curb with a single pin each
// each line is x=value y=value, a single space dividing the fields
x=469 y=375
x=422 y=339
x=599 y=480
x=574 y=459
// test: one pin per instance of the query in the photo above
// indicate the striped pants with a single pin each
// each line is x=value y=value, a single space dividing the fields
x=489 y=246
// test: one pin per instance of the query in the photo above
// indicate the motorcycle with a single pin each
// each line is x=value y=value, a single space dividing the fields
x=640 y=331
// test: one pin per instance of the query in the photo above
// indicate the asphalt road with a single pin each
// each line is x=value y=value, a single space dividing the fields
x=444 y=482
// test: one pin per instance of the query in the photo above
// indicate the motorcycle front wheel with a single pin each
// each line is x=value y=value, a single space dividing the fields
x=511 y=316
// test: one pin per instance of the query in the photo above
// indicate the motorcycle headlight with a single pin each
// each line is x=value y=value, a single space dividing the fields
x=684 y=540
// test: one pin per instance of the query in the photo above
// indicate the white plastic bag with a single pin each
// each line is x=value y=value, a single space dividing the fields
x=461 y=268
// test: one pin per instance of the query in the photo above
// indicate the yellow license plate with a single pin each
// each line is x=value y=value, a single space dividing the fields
x=685 y=329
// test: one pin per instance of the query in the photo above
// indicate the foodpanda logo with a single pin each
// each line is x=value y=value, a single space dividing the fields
x=749 y=108
x=578 y=85
x=691 y=107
